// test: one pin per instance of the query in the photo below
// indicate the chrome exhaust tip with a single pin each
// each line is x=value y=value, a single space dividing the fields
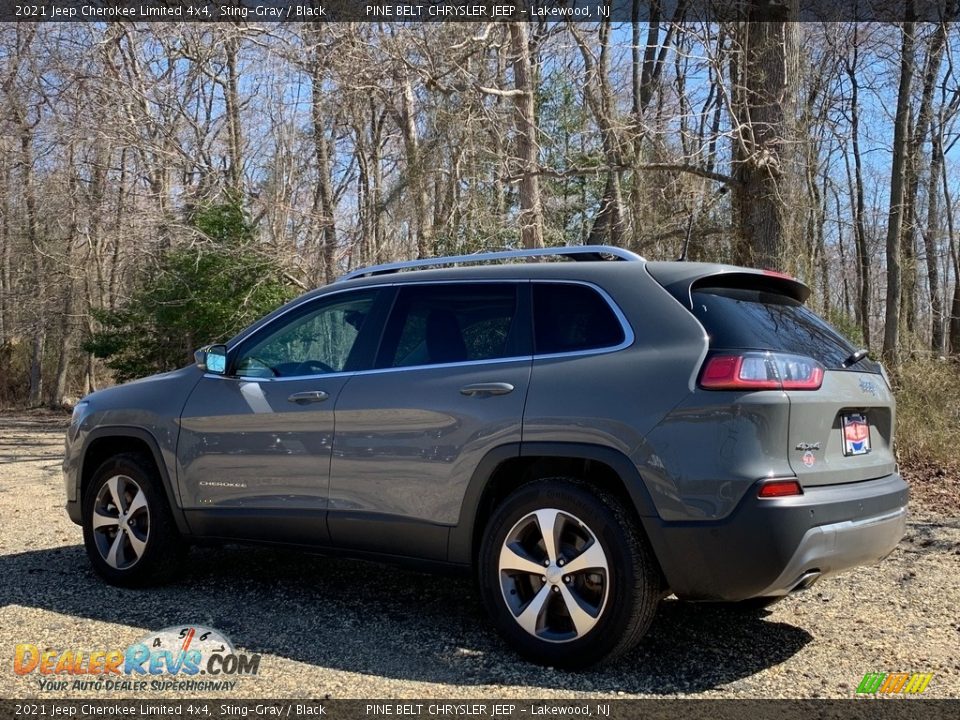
x=806 y=580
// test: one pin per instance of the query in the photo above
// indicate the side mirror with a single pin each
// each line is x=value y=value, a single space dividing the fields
x=212 y=358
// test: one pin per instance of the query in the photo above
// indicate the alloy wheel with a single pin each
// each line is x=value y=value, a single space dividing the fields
x=121 y=522
x=554 y=575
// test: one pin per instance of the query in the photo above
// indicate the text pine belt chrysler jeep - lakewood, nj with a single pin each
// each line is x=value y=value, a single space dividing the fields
x=585 y=435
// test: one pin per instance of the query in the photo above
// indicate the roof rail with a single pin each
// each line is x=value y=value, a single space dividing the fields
x=579 y=253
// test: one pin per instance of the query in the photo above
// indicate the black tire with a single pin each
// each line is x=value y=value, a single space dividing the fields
x=632 y=583
x=151 y=527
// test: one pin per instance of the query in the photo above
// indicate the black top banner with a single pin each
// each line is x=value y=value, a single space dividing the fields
x=387 y=11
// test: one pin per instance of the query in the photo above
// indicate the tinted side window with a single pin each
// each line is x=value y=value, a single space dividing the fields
x=569 y=318
x=746 y=319
x=436 y=324
x=315 y=340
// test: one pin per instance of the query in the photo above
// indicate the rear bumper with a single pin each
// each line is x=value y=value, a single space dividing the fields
x=774 y=546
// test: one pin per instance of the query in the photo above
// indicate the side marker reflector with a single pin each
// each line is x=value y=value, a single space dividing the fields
x=780 y=488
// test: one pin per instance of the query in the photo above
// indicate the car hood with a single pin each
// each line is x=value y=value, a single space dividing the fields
x=149 y=393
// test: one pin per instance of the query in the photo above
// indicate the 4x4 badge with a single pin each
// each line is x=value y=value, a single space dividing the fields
x=868 y=387
x=807 y=446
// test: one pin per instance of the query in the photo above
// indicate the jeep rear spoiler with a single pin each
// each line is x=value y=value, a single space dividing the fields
x=680 y=279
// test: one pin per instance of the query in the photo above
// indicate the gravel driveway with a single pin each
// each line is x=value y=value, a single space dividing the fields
x=329 y=627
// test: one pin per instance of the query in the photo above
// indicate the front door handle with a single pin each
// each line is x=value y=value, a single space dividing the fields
x=310 y=396
x=484 y=389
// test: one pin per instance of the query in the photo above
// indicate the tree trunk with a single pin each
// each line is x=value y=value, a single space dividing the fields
x=58 y=393
x=6 y=239
x=609 y=223
x=955 y=320
x=954 y=326
x=531 y=208
x=891 y=330
x=39 y=328
x=377 y=117
x=761 y=104
x=416 y=176
x=842 y=252
x=859 y=224
x=930 y=234
x=231 y=102
x=324 y=205
x=931 y=71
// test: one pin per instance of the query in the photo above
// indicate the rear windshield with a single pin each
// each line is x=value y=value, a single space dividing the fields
x=739 y=318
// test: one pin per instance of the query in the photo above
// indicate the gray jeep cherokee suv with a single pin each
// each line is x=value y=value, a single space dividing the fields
x=585 y=436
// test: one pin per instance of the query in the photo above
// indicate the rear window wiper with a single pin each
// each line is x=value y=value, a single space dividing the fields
x=855 y=357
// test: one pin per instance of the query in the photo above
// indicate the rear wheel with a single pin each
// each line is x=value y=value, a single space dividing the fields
x=128 y=531
x=566 y=574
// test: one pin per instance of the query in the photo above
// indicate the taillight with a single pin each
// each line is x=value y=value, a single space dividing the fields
x=780 y=488
x=761 y=371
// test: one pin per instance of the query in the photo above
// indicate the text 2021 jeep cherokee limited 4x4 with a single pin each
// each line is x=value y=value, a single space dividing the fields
x=586 y=436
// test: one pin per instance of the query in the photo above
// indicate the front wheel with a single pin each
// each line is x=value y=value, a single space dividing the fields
x=567 y=575
x=128 y=531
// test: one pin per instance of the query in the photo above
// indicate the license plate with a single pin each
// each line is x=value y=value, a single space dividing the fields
x=856 y=434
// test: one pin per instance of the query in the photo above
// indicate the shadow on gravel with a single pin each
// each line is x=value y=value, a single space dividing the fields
x=923 y=536
x=386 y=621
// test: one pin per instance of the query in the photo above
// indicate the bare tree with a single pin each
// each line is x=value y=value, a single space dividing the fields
x=891 y=331
x=531 y=205
x=762 y=101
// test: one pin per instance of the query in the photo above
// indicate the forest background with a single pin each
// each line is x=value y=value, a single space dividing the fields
x=162 y=185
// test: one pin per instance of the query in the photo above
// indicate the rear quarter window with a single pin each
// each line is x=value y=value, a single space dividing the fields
x=748 y=319
x=572 y=318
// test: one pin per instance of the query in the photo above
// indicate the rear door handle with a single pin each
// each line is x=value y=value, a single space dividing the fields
x=307 y=397
x=483 y=389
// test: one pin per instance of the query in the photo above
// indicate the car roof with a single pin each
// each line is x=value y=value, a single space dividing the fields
x=677 y=277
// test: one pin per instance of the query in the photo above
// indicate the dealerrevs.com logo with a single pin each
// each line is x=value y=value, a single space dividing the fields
x=191 y=658
x=894 y=683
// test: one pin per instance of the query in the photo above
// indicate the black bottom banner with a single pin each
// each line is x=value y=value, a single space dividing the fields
x=601 y=709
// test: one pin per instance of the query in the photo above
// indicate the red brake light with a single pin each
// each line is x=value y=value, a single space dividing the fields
x=761 y=371
x=780 y=488
x=778 y=274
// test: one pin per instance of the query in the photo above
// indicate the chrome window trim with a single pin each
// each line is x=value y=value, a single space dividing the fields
x=628 y=334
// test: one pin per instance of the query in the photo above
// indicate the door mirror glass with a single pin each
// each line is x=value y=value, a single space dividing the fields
x=212 y=358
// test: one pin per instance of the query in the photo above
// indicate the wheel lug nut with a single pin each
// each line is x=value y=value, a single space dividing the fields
x=560 y=562
x=556 y=589
x=546 y=563
x=566 y=579
x=543 y=579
